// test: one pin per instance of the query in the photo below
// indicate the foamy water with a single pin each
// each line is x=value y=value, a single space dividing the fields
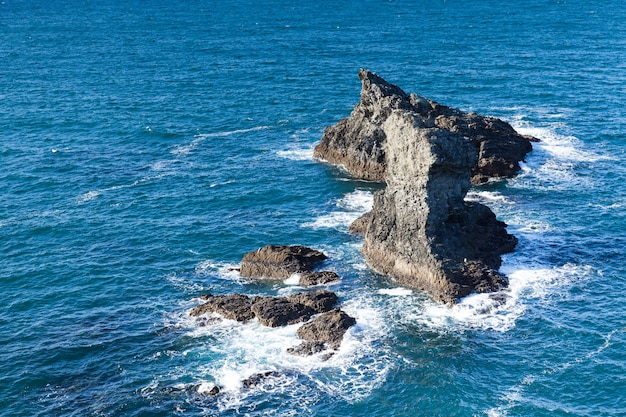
x=350 y=207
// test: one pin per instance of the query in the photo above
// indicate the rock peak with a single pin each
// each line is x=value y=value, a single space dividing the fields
x=421 y=231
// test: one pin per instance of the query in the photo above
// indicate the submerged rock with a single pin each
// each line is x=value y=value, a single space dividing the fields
x=259 y=378
x=279 y=262
x=357 y=142
x=316 y=278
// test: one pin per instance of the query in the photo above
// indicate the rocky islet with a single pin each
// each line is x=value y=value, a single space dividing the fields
x=420 y=231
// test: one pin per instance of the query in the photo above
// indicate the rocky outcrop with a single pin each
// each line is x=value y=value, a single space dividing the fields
x=278 y=311
x=308 y=279
x=234 y=307
x=358 y=142
x=279 y=262
x=323 y=332
x=421 y=231
x=270 y=311
x=320 y=301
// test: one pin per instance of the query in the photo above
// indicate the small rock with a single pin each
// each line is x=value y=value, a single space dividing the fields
x=316 y=278
x=257 y=379
x=279 y=262
x=234 y=307
x=327 y=328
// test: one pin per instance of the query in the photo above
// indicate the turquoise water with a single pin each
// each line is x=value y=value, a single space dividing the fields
x=146 y=146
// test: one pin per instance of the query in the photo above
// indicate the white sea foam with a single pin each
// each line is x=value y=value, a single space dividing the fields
x=292 y=280
x=88 y=196
x=487 y=197
x=559 y=146
x=297 y=154
x=398 y=292
x=93 y=194
x=226 y=271
x=499 y=311
x=351 y=206
x=186 y=149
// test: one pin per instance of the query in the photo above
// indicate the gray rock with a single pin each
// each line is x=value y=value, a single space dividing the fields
x=327 y=329
x=357 y=142
x=316 y=278
x=278 y=311
x=360 y=225
x=233 y=307
x=320 y=301
x=279 y=262
x=421 y=231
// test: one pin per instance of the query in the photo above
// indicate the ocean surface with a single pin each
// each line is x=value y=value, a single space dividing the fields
x=146 y=146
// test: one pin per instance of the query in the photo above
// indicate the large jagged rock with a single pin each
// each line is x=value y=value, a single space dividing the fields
x=279 y=262
x=357 y=142
x=421 y=231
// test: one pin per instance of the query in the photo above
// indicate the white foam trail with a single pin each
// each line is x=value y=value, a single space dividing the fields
x=352 y=206
x=226 y=271
x=93 y=194
x=217 y=184
x=513 y=396
x=293 y=280
x=562 y=147
x=88 y=196
x=184 y=150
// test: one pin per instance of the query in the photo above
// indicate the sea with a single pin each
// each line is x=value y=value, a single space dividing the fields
x=146 y=146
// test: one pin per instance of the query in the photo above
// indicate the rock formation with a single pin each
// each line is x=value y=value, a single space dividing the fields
x=420 y=230
x=270 y=311
x=316 y=278
x=323 y=332
x=357 y=142
x=279 y=262
x=234 y=307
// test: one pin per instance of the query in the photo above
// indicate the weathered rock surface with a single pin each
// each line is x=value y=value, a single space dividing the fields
x=316 y=278
x=233 y=307
x=278 y=311
x=421 y=231
x=325 y=330
x=270 y=311
x=279 y=262
x=320 y=301
x=357 y=142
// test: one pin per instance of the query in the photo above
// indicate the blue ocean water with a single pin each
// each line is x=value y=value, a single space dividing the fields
x=145 y=146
